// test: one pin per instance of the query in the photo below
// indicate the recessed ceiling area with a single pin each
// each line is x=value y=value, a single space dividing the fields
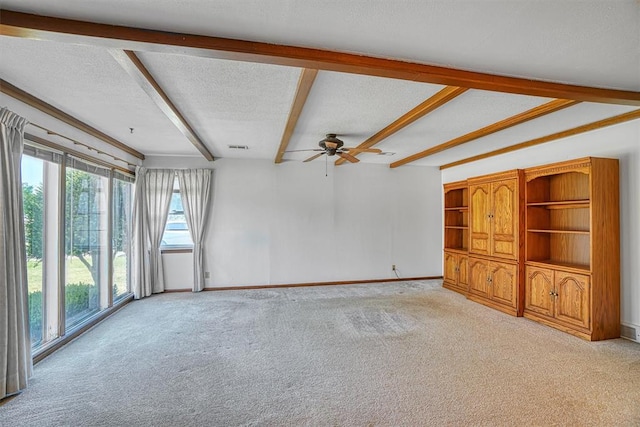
x=193 y=93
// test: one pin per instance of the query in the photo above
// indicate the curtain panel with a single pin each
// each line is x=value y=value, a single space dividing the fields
x=195 y=190
x=15 y=344
x=153 y=191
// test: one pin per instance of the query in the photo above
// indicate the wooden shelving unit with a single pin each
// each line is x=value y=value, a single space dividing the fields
x=572 y=247
x=456 y=236
x=543 y=243
x=456 y=216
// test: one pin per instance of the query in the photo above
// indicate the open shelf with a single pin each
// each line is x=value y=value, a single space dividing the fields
x=548 y=263
x=558 y=217
x=562 y=187
x=559 y=231
x=564 y=204
x=456 y=216
x=456 y=196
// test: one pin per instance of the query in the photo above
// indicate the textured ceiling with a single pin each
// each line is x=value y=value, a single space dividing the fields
x=354 y=107
x=470 y=111
x=88 y=83
x=229 y=102
x=592 y=43
x=568 y=118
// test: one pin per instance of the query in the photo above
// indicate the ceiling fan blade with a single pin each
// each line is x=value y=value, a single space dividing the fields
x=315 y=156
x=309 y=149
x=349 y=157
x=362 y=150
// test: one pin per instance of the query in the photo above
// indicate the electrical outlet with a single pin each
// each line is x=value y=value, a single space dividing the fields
x=207 y=275
x=393 y=267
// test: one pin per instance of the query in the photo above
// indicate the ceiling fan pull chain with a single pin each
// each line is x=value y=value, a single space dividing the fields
x=326 y=162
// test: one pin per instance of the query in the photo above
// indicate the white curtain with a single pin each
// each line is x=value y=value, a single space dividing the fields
x=15 y=344
x=151 y=207
x=195 y=189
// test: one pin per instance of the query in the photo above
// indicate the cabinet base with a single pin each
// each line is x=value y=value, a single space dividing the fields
x=578 y=333
x=500 y=307
x=455 y=288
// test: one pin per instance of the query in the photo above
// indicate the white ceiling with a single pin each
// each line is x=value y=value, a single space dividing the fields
x=591 y=43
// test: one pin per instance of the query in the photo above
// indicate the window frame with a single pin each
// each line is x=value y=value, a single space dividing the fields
x=177 y=248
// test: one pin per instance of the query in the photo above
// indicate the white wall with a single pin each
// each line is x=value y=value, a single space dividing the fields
x=620 y=141
x=289 y=223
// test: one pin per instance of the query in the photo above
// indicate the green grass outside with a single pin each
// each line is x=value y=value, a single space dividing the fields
x=76 y=273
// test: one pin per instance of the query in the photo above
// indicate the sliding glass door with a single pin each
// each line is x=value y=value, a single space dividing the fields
x=33 y=206
x=86 y=250
x=77 y=220
x=121 y=234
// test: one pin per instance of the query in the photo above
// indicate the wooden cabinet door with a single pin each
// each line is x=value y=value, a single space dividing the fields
x=504 y=219
x=502 y=283
x=573 y=299
x=538 y=291
x=480 y=224
x=478 y=276
x=450 y=267
x=463 y=271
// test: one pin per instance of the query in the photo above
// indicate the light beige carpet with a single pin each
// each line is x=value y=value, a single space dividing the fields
x=388 y=354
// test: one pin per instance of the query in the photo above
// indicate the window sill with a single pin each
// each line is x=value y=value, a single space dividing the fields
x=176 y=250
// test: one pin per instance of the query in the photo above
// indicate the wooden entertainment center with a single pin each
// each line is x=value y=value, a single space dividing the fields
x=543 y=243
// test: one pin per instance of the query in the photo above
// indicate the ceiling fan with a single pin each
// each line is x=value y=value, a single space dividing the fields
x=331 y=146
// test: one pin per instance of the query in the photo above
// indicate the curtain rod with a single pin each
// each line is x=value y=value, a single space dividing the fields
x=75 y=142
x=99 y=162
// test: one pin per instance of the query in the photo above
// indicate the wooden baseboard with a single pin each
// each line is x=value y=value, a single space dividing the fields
x=301 y=285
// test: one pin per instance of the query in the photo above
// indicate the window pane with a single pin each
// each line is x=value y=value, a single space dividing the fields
x=122 y=192
x=33 y=206
x=176 y=232
x=85 y=244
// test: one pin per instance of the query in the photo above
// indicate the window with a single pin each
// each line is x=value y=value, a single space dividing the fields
x=86 y=249
x=121 y=234
x=40 y=198
x=77 y=220
x=33 y=206
x=176 y=231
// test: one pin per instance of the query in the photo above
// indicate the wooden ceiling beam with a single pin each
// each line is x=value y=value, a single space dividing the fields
x=539 y=111
x=305 y=82
x=434 y=102
x=136 y=69
x=22 y=96
x=621 y=118
x=120 y=37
